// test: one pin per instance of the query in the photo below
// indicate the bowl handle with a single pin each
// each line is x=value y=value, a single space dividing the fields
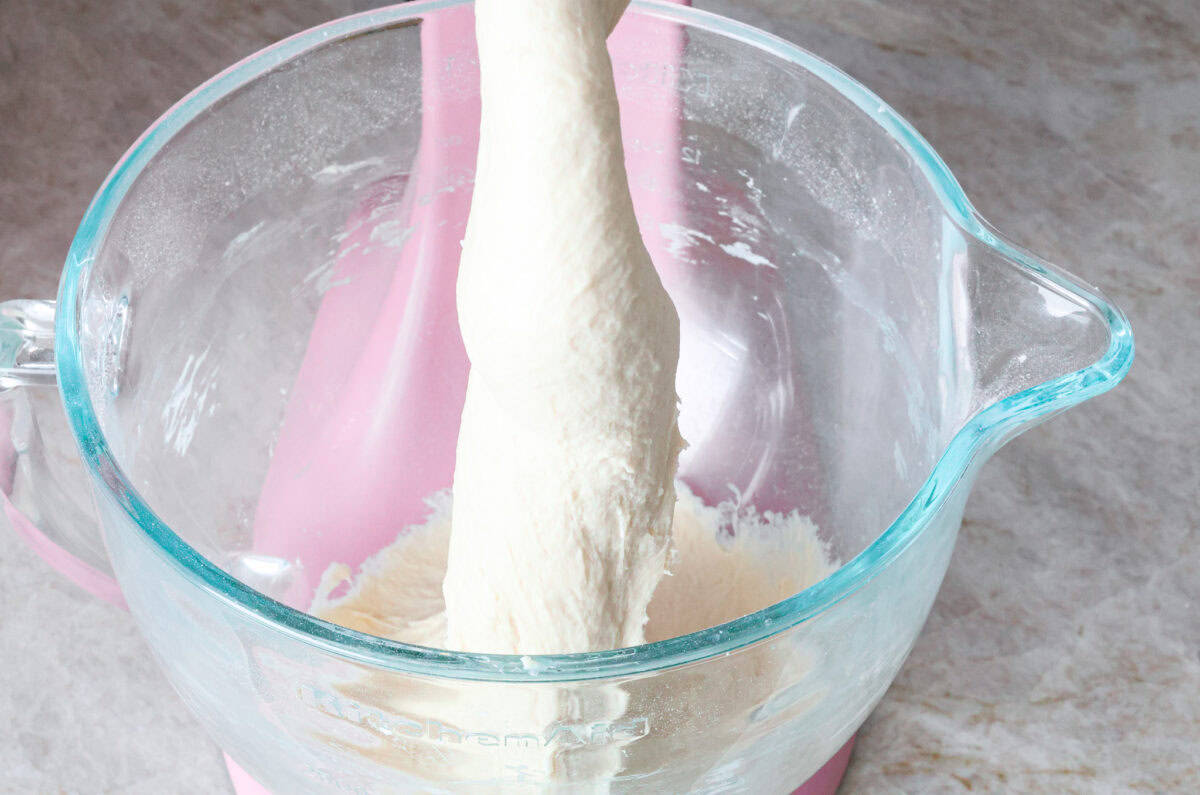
x=43 y=487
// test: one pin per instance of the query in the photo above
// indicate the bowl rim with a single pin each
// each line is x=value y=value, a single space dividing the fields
x=980 y=435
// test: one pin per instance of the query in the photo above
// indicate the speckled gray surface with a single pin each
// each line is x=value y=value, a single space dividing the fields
x=1063 y=654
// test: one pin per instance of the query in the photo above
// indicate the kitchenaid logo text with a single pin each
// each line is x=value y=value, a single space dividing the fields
x=399 y=726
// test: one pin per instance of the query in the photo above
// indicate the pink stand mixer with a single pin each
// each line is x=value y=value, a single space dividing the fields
x=856 y=342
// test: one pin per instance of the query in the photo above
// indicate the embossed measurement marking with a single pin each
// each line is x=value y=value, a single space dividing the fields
x=409 y=727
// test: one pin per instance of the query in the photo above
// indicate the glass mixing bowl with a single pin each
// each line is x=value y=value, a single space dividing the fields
x=268 y=274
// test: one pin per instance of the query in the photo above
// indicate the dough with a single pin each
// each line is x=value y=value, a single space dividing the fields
x=725 y=563
x=568 y=446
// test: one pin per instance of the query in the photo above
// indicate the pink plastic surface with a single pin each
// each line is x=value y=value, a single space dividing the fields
x=84 y=575
x=333 y=491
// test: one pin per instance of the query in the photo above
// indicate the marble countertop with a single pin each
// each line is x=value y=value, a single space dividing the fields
x=1063 y=653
